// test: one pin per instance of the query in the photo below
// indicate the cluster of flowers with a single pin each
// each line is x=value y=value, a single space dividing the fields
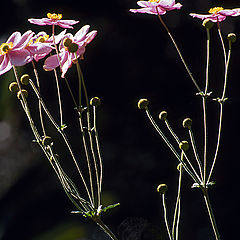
x=19 y=49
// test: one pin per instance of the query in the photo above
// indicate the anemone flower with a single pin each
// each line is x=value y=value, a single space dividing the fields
x=41 y=44
x=14 y=51
x=157 y=7
x=53 y=19
x=71 y=48
x=217 y=14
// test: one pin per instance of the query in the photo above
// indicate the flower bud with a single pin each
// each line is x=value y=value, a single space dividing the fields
x=47 y=141
x=67 y=42
x=187 y=123
x=143 y=103
x=163 y=115
x=95 y=101
x=180 y=167
x=23 y=92
x=13 y=87
x=162 y=188
x=25 y=79
x=73 y=48
x=184 y=145
x=207 y=23
x=232 y=37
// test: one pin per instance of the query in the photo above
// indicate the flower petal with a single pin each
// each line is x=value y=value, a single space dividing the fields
x=41 y=22
x=5 y=64
x=66 y=64
x=51 y=63
x=14 y=38
x=26 y=37
x=20 y=58
x=82 y=33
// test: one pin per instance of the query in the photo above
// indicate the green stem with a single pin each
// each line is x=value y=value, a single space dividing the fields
x=165 y=216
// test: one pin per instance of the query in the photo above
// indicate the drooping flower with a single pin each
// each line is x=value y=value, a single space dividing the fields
x=157 y=7
x=41 y=44
x=71 y=48
x=14 y=51
x=217 y=14
x=53 y=19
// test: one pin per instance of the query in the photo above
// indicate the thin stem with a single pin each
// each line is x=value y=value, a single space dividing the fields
x=211 y=215
x=205 y=140
x=193 y=176
x=179 y=52
x=165 y=216
x=222 y=42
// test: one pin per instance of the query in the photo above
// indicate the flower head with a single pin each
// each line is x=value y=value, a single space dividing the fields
x=53 y=19
x=157 y=7
x=71 y=48
x=218 y=14
x=14 y=52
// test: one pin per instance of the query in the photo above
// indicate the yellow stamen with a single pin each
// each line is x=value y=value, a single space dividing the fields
x=54 y=16
x=215 y=10
x=5 y=48
x=154 y=0
x=42 y=39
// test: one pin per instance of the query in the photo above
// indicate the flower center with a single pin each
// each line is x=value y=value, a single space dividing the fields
x=42 y=39
x=5 y=48
x=54 y=16
x=154 y=1
x=215 y=10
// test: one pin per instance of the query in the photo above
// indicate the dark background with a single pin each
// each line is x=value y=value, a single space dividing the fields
x=131 y=57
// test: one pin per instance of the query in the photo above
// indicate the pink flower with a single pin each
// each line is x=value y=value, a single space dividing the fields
x=156 y=6
x=14 y=51
x=70 y=48
x=218 y=14
x=53 y=19
x=41 y=44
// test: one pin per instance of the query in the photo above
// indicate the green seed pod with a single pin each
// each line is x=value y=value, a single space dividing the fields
x=13 y=87
x=25 y=79
x=163 y=115
x=73 y=48
x=162 y=188
x=95 y=101
x=143 y=103
x=187 y=123
x=47 y=141
x=184 y=145
x=23 y=92
x=232 y=37
x=208 y=23
x=67 y=42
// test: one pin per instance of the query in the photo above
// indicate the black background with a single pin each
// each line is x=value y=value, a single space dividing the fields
x=131 y=57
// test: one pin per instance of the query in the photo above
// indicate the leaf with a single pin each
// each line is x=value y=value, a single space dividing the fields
x=195 y=185
x=110 y=207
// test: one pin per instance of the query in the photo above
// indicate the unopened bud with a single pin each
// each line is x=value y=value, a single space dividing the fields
x=23 y=92
x=163 y=115
x=13 y=87
x=207 y=23
x=95 y=101
x=184 y=145
x=47 y=141
x=232 y=37
x=162 y=188
x=143 y=103
x=187 y=123
x=73 y=48
x=25 y=79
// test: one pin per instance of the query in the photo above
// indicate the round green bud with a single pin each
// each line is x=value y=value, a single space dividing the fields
x=163 y=115
x=95 y=101
x=73 y=48
x=232 y=37
x=187 y=123
x=184 y=145
x=207 y=23
x=23 y=92
x=143 y=103
x=47 y=141
x=25 y=79
x=67 y=42
x=13 y=87
x=162 y=188
x=180 y=167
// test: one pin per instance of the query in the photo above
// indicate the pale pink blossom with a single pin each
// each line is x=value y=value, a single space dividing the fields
x=53 y=19
x=14 y=53
x=157 y=7
x=81 y=38
x=218 y=14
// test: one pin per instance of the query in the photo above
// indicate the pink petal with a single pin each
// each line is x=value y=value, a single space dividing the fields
x=90 y=36
x=20 y=58
x=60 y=36
x=51 y=63
x=41 y=22
x=26 y=37
x=228 y=12
x=14 y=38
x=66 y=65
x=5 y=64
x=148 y=11
x=82 y=33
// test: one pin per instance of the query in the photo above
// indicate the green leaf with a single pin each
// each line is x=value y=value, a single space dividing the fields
x=110 y=207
